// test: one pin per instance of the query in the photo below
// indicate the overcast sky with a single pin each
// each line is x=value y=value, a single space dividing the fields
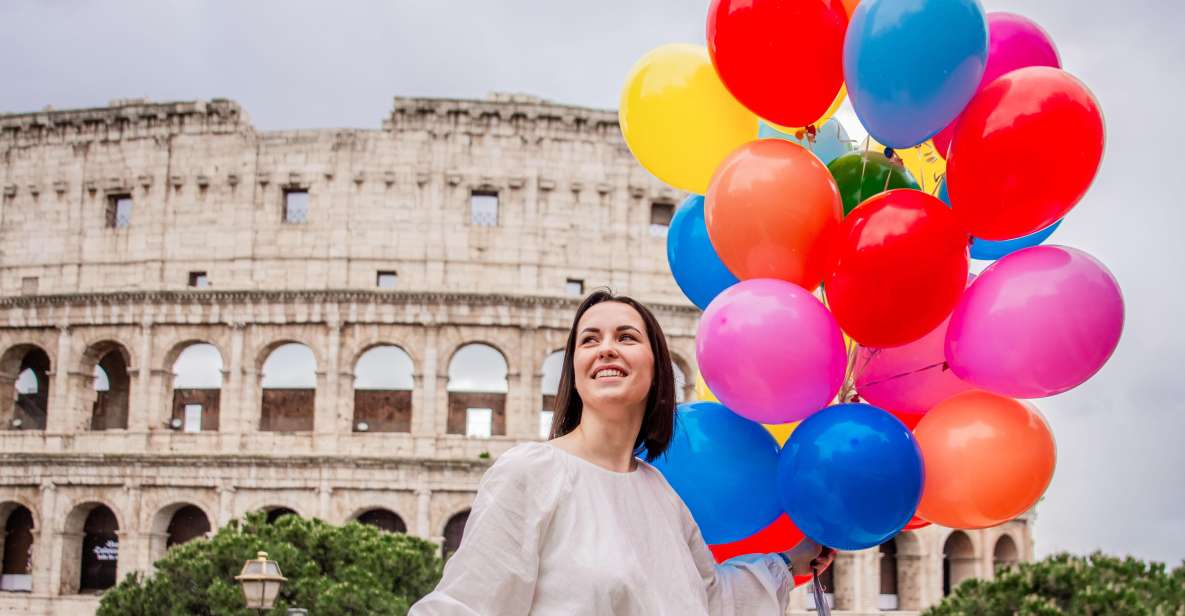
x=1120 y=482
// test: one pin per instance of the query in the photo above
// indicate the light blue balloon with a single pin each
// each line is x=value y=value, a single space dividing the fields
x=831 y=140
x=990 y=250
x=697 y=269
x=911 y=66
x=851 y=476
x=723 y=466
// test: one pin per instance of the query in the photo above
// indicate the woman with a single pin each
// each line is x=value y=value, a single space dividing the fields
x=579 y=525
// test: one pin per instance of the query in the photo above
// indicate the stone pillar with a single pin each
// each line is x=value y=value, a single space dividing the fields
x=231 y=409
x=45 y=537
x=61 y=413
x=250 y=396
x=423 y=513
x=153 y=545
x=133 y=554
x=424 y=418
x=226 y=505
x=325 y=416
x=144 y=411
x=526 y=402
x=325 y=502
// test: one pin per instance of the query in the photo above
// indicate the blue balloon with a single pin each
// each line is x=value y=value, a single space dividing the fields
x=911 y=66
x=723 y=466
x=831 y=140
x=850 y=476
x=990 y=250
x=697 y=268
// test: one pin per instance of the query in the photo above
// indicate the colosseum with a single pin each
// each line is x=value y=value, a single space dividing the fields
x=199 y=319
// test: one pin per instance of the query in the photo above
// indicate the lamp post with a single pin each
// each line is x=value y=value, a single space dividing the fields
x=261 y=581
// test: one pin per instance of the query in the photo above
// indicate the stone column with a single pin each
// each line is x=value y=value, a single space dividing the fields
x=231 y=410
x=133 y=554
x=226 y=505
x=424 y=418
x=325 y=503
x=144 y=412
x=61 y=413
x=423 y=513
x=325 y=415
x=526 y=415
x=45 y=538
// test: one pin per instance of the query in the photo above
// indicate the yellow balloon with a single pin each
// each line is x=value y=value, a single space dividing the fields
x=678 y=119
x=922 y=161
x=702 y=392
x=839 y=99
x=781 y=432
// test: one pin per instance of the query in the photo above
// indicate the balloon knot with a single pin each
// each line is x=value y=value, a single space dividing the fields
x=812 y=131
x=945 y=366
x=889 y=152
x=800 y=134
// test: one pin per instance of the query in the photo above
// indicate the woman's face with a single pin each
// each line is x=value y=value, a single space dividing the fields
x=613 y=361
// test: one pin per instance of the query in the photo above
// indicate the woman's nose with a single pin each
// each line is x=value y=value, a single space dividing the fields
x=607 y=350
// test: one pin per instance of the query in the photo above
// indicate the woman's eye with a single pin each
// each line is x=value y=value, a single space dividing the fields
x=628 y=337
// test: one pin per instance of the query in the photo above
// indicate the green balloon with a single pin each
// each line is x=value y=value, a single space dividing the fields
x=861 y=175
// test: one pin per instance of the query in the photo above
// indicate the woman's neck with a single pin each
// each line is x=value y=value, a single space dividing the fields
x=607 y=444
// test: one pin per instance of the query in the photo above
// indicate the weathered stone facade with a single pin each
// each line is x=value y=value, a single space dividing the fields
x=113 y=221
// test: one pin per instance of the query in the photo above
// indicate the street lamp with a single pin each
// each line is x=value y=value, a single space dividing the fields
x=261 y=582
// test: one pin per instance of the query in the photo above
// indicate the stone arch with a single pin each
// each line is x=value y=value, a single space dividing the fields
x=196 y=372
x=478 y=382
x=177 y=523
x=1005 y=554
x=26 y=378
x=454 y=531
x=279 y=511
x=549 y=385
x=381 y=518
x=958 y=560
x=90 y=551
x=384 y=379
x=106 y=370
x=18 y=528
x=289 y=387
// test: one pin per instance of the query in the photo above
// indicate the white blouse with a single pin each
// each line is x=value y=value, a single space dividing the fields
x=551 y=533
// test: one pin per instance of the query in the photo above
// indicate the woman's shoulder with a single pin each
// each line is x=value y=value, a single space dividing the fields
x=526 y=473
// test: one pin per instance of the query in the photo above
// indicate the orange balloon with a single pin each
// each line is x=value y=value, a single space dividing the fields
x=988 y=459
x=849 y=6
x=772 y=210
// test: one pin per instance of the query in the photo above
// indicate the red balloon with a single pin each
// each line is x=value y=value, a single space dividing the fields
x=898 y=267
x=915 y=524
x=780 y=536
x=783 y=59
x=1025 y=151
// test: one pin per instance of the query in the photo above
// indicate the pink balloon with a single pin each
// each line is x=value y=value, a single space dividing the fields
x=1014 y=41
x=770 y=351
x=1037 y=322
x=909 y=379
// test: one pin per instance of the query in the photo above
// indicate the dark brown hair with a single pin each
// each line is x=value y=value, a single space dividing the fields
x=658 y=423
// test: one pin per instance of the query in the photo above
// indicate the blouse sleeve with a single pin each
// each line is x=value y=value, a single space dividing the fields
x=754 y=584
x=495 y=568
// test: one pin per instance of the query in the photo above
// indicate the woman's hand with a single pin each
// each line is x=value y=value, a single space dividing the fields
x=808 y=555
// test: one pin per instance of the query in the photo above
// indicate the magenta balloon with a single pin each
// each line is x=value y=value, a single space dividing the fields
x=1014 y=41
x=911 y=378
x=770 y=351
x=1037 y=322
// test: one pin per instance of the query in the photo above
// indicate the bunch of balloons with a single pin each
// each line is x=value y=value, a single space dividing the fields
x=834 y=277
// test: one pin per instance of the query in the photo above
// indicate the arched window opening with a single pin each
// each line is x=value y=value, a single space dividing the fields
x=888 y=572
x=187 y=524
x=1005 y=554
x=958 y=561
x=27 y=368
x=16 y=574
x=383 y=383
x=276 y=513
x=197 y=389
x=453 y=533
x=383 y=519
x=100 y=551
x=477 y=386
x=112 y=392
x=289 y=389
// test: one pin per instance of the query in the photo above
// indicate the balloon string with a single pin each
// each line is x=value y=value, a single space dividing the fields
x=941 y=364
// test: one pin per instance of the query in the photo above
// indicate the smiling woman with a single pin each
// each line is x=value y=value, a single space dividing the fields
x=579 y=524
